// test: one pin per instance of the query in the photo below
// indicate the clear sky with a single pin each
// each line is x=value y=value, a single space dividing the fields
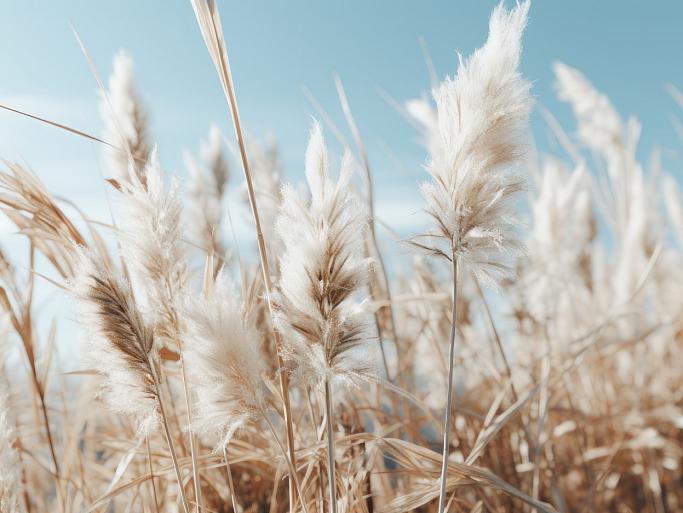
x=628 y=48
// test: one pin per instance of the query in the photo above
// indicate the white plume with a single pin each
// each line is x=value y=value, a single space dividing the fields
x=125 y=123
x=323 y=274
x=224 y=362
x=481 y=115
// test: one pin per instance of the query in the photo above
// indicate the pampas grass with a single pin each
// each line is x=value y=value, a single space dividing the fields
x=211 y=384
x=120 y=344
x=323 y=272
x=225 y=362
x=206 y=188
x=123 y=351
x=125 y=123
x=10 y=479
x=480 y=115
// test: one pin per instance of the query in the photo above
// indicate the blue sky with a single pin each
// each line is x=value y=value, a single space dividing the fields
x=629 y=49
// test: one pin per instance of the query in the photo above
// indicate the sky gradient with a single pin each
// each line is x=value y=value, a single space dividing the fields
x=628 y=49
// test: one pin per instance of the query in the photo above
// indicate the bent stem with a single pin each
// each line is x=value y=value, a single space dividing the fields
x=449 y=393
x=330 y=447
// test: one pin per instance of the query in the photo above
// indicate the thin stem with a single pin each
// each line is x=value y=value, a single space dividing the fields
x=449 y=393
x=151 y=474
x=381 y=346
x=48 y=431
x=27 y=338
x=229 y=89
x=318 y=466
x=231 y=485
x=330 y=447
x=169 y=441
x=193 y=453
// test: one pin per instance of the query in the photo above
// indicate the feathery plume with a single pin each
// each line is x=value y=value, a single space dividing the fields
x=423 y=112
x=628 y=194
x=563 y=229
x=206 y=188
x=601 y=129
x=124 y=351
x=323 y=272
x=267 y=170
x=674 y=206
x=151 y=246
x=224 y=362
x=481 y=115
x=120 y=346
x=214 y=159
x=599 y=125
x=125 y=123
x=10 y=477
x=640 y=234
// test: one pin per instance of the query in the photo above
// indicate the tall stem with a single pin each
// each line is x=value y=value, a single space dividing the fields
x=449 y=393
x=223 y=65
x=169 y=441
x=330 y=448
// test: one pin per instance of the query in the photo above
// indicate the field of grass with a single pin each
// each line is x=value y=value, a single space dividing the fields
x=515 y=367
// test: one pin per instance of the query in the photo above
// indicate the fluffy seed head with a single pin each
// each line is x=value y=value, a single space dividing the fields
x=267 y=175
x=10 y=476
x=481 y=113
x=119 y=346
x=559 y=243
x=323 y=273
x=151 y=245
x=125 y=123
x=599 y=124
x=223 y=361
x=206 y=187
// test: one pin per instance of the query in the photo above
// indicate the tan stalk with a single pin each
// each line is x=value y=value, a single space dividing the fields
x=151 y=474
x=169 y=441
x=231 y=485
x=292 y=469
x=209 y=23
